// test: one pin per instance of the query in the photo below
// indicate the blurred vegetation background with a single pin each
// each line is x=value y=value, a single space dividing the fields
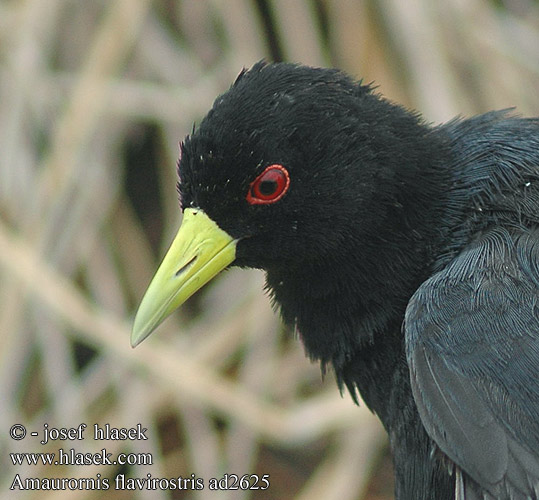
x=94 y=97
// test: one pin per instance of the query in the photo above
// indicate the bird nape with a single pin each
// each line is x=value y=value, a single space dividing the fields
x=405 y=254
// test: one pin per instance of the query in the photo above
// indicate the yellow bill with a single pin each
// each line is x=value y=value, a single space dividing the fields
x=200 y=250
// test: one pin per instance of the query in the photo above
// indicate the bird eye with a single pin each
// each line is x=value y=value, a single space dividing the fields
x=269 y=187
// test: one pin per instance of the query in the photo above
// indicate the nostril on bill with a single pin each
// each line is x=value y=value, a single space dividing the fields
x=186 y=266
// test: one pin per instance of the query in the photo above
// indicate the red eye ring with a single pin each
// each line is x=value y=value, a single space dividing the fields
x=270 y=186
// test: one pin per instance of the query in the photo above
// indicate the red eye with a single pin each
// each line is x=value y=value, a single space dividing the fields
x=269 y=187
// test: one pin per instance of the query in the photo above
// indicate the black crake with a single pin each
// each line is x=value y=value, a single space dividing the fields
x=405 y=255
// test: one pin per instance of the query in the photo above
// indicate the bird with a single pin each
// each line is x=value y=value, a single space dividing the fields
x=405 y=254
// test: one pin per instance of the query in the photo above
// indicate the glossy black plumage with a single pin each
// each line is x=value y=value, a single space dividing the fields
x=405 y=255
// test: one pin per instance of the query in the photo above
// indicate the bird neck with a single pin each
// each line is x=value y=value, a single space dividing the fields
x=342 y=305
x=339 y=307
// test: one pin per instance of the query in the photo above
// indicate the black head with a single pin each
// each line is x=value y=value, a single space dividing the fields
x=307 y=174
x=338 y=142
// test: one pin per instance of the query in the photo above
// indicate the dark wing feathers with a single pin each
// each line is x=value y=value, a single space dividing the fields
x=472 y=340
x=457 y=418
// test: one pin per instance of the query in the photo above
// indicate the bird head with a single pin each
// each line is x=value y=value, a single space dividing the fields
x=289 y=166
